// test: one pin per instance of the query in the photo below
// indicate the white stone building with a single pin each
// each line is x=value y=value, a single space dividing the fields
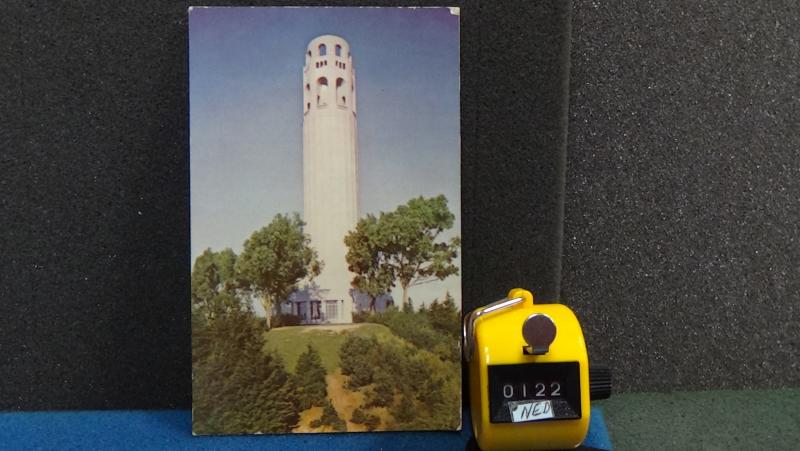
x=330 y=177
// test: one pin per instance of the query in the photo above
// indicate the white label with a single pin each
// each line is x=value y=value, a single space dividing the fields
x=530 y=410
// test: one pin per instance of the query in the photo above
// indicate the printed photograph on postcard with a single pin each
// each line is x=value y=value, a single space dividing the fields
x=325 y=219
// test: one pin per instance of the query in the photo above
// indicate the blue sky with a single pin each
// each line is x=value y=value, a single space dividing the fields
x=245 y=83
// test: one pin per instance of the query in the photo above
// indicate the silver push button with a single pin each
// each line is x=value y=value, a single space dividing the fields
x=539 y=331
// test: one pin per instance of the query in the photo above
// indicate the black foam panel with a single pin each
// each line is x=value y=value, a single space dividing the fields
x=682 y=219
x=94 y=185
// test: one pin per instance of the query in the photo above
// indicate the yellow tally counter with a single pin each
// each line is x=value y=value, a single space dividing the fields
x=529 y=375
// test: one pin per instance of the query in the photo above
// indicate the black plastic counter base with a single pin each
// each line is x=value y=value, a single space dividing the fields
x=94 y=188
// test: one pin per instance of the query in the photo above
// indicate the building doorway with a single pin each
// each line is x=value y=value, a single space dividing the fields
x=331 y=309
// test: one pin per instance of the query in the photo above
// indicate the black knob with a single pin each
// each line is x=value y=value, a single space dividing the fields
x=599 y=382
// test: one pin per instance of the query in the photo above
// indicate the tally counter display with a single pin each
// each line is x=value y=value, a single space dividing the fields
x=529 y=376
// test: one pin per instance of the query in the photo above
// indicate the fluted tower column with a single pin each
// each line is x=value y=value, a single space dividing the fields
x=330 y=173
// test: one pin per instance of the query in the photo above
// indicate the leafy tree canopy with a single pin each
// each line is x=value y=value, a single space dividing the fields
x=214 y=283
x=401 y=246
x=276 y=258
x=367 y=258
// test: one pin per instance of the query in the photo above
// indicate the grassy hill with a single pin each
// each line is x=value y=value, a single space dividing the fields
x=372 y=384
x=290 y=342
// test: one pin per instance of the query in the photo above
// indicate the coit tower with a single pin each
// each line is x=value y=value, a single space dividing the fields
x=330 y=183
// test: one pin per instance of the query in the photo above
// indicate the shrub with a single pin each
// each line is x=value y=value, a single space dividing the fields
x=382 y=393
x=360 y=416
x=445 y=318
x=361 y=317
x=415 y=329
x=436 y=329
x=357 y=356
x=330 y=418
x=285 y=319
x=448 y=351
x=372 y=422
x=420 y=387
x=403 y=411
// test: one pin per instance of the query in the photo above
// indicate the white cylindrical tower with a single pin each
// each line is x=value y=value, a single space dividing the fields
x=330 y=183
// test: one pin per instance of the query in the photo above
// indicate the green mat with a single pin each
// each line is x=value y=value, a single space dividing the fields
x=707 y=420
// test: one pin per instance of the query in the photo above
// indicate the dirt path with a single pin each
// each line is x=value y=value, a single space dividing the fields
x=344 y=400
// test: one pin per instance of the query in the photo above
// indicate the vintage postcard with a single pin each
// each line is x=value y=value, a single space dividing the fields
x=326 y=217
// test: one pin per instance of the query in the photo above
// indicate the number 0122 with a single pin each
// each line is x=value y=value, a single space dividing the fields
x=532 y=390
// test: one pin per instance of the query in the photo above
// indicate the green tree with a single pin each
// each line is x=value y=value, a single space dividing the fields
x=420 y=389
x=405 y=412
x=367 y=259
x=275 y=259
x=330 y=418
x=358 y=356
x=310 y=379
x=382 y=393
x=214 y=283
x=445 y=316
x=236 y=387
x=361 y=416
x=416 y=254
x=401 y=246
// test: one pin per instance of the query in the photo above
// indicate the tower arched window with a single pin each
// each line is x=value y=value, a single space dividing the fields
x=308 y=87
x=340 y=91
x=322 y=91
x=338 y=50
x=323 y=50
x=309 y=53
